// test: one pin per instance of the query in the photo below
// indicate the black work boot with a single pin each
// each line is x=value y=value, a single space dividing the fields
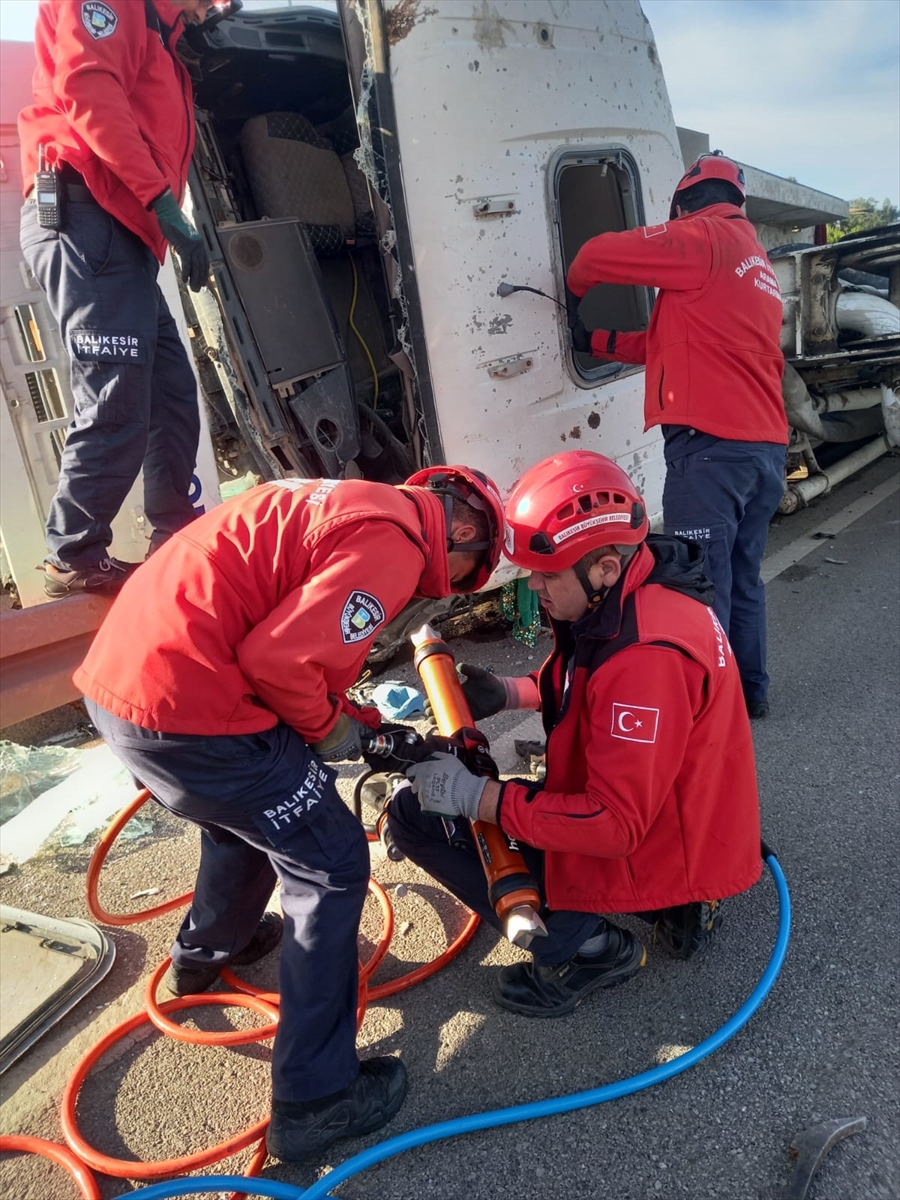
x=302 y=1130
x=682 y=930
x=191 y=978
x=757 y=709
x=105 y=578
x=535 y=991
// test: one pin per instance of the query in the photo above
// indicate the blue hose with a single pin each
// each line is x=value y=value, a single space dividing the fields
x=506 y=1116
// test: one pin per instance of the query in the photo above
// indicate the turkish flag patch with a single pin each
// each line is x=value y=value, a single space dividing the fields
x=633 y=723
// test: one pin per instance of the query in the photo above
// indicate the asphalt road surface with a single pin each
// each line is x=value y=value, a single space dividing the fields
x=824 y=1045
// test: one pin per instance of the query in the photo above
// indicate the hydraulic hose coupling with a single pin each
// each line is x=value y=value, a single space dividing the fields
x=512 y=892
x=384 y=745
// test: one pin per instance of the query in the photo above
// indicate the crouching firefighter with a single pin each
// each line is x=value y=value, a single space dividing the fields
x=219 y=678
x=649 y=806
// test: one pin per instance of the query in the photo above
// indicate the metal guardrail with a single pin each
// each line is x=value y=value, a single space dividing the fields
x=40 y=648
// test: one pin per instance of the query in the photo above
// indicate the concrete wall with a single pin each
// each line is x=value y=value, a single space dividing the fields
x=783 y=212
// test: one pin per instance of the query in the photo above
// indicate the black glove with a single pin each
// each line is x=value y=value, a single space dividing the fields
x=184 y=239
x=572 y=303
x=485 y=692
x=581 y=337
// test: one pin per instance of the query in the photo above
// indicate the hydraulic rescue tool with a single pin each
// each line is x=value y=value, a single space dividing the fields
x=512 y=892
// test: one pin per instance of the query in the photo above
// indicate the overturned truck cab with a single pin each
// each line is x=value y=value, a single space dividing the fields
x=366 y=179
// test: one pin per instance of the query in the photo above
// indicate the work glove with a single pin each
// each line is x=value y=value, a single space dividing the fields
x=581 y=336
x=184 y=239
x=343 y=742
x=446 y=787
x=572 y=303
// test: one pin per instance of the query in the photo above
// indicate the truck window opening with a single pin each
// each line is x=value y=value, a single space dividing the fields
x=600 y=193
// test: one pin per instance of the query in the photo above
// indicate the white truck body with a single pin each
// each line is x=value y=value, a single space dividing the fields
x=365 y=181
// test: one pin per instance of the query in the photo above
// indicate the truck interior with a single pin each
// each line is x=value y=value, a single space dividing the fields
x=317 y=382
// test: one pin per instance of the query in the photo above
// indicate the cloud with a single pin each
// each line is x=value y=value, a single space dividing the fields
x=809 y=88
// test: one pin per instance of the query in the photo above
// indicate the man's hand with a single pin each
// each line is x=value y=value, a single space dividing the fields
x=445 y=786
x=581 y=337
x=344 y=742
x=184 y=239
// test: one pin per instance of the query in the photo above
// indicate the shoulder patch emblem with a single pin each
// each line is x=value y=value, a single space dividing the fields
x=654 y=230
x=98 y=19
x=361 y=617
x=634 y=723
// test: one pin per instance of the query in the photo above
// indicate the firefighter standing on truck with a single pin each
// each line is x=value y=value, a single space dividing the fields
x=219 y=678
x=713 y=382
x=649 y=805
x=109 y=140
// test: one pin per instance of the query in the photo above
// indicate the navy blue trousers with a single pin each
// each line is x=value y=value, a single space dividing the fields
x=134 y=392
x=268 y=808
x=422 y=838
x=723 y=495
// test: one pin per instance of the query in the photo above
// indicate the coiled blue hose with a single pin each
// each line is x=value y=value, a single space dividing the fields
x=506 y=1116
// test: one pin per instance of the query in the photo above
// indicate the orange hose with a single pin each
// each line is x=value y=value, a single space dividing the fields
x=245 y=995
x=123 y=1168
x=387 y=931
x=196 y=1037
x=255 y=1165
x=420 y=973
x=98 y=858
x=58 y=1154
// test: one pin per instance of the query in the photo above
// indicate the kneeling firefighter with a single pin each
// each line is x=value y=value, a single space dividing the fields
x=219 y=679
x=649 y=805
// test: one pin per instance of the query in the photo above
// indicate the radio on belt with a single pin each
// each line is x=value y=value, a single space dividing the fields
x=49 y=194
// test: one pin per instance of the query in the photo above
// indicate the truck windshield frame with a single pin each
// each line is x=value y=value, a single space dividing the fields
x=597 y=190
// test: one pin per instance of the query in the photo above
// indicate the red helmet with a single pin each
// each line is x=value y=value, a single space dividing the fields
x=570 y=504
x=710 y=166
x=473 y=488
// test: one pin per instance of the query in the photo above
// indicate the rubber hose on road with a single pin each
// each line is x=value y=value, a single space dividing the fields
x=520 y=1112
x=18 y=1143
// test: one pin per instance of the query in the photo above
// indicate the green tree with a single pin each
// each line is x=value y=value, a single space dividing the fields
x=864 y=214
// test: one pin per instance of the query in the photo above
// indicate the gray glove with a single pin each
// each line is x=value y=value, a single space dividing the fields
x=344 y=741
x=445 y=786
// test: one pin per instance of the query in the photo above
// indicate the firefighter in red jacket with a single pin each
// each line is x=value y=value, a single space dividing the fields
x=713 y=383
x=219 y=678
x=649 y=805
x=113 y=125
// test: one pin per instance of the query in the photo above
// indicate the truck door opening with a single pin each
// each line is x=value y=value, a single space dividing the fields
x=298 y=357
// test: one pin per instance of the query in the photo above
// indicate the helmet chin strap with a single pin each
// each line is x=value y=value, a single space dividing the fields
x=595 y=595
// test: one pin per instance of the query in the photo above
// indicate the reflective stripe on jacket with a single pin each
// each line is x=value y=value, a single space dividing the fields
x=113 y=100
x=650 y=797
x=265 y=607
x=712 y=348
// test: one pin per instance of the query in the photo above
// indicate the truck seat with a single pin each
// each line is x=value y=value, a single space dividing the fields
x=294 y=172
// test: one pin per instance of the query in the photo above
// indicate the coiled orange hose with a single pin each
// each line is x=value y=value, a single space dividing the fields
x=56 y=1153
x=81 y=1155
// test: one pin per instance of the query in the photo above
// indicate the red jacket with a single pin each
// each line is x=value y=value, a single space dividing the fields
x=113 y=101
x=265 y=607
x=650 y=797
x=712 y=348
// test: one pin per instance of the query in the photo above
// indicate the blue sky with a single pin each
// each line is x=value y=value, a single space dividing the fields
x=809 y=88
